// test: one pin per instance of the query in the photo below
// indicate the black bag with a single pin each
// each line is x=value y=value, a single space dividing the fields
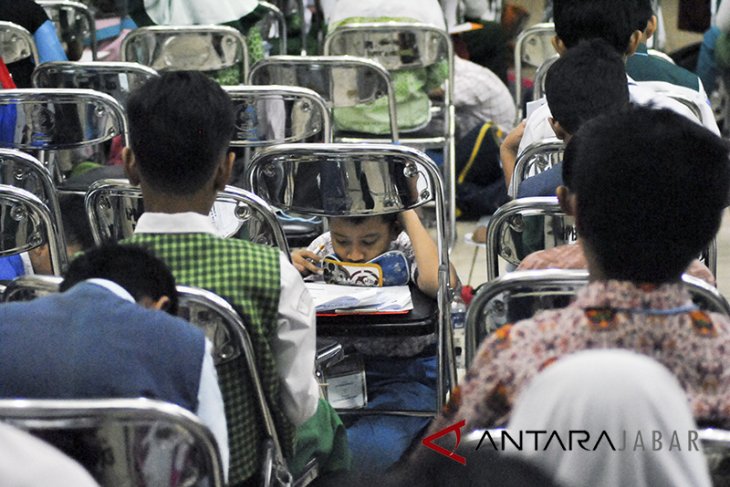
x=480 y=186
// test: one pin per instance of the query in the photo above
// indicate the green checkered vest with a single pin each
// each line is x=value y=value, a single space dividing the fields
x=248 y=276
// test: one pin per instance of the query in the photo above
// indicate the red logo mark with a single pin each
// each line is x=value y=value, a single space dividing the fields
x=429 y=442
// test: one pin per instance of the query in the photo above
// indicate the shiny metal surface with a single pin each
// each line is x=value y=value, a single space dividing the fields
x=26 y=223
x=75 y=25
x=116 y=79
x=533 y=47
x=268 y=115
x=523 y=226
x=53 y=119
x=274 y=21
x=536 y=158
x=520 y=294
x=539 y=81
x=113 y=207
x=124 y=442
x=31 y=286
x=343 y=81
x=361 y=180
x=16 y=43
x=209 y=48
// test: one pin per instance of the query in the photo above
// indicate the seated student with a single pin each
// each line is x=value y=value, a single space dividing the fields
x=103 y=335
x=638 y=240
x=180 y=127
x=640 y=407
x=30 y=15
x=401 y=372
x=615 y=22
x=642 y=66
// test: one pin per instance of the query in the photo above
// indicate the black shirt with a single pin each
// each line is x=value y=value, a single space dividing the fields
x=30 y=15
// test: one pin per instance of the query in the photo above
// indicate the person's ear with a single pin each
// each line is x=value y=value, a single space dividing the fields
x=558 y=45
x=224 y=171
x=160 y=304
x=634 y=42
x=130 y=166
x=558 y=129
x=566 y=200
x=650 y=28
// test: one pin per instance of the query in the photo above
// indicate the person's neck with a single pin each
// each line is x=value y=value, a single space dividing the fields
x=157 y=202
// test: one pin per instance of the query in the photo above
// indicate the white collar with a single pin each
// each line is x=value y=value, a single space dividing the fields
x=187 y=222
x=113 y=287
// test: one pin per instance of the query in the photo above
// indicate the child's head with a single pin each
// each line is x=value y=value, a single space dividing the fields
x=611 y=20
x=588 y=80
x=361 y=239
x=648 y=189
x=180 y=127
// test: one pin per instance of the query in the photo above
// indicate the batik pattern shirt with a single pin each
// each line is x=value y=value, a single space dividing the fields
x=656 y=321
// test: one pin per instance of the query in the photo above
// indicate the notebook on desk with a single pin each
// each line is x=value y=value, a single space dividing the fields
x=337 y=299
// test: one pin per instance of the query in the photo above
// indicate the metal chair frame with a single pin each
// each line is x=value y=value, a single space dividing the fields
x=539 y=82
x=280 y=18
x=267 y=159
x=526 y=37
x=82 y=414
x=558 y=282
x=166 y=31
x=291 y=63
x=22 y=42
x=445 y=140
x=107 y=188
x=536 y=158
x=53 y=7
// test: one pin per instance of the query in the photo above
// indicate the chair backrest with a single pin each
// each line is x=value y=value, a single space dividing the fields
x=519 y=295
x=523 y=226
x=114 y=206
x=31 y=286
x=131 y=442
x=398 y=46
x=538 y=90
x=116 y=79
x=343 y=81
x=716 y=447
x=26 y=223
x=359 y=180
x=227 y=331
x=209 y=48
x=274 y=21
x=74 y=23
x=16 y=43
x=269 y=115
x=536 y=158
x=533 y=47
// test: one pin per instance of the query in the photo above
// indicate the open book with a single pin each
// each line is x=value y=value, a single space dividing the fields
x=359 y=299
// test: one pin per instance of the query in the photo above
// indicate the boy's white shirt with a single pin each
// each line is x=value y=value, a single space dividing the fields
x=640 y=93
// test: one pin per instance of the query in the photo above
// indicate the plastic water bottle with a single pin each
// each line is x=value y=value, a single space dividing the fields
x=458 y=322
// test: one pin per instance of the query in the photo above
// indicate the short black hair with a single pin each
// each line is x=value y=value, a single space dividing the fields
x=133 y=267
x=76 y=227
x=610 y=20
x=389 y=218
x=650 y=186
x=643 y=11
x=180 y=126
x=588 y=80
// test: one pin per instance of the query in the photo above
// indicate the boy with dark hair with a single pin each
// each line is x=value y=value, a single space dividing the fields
x=643 y=66
x=180 y=128
x=104 y=336
x=669 y=180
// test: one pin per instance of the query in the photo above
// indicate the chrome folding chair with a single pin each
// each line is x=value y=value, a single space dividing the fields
x=343 y=81
x=75 y=25
x=209 y=48
x=116 y=79
x=519 y=295
x=363 y=180
x=533 y=47
x=51 y=120
x=407 y=46
x=539 y=82
x=716 y=447
x=16 y=43
x=138 y=438
x=31 y=286
x=114 y=206
x=26 y=223
x=274 y=22
x=536 y=158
